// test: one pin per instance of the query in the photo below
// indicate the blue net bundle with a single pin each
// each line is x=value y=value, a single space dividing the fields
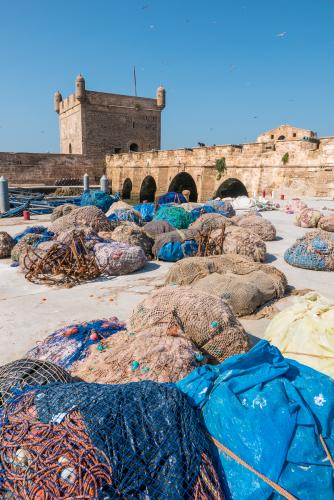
x=139 y=440
x=176 y=216
x=71 y=343
x=171 y=197
x=204 y=209
x=146 y=210
x=123 y=215
x=176 y=245
x=222 y=207
x=99 y=199
x=42 y=231
x=315 y=250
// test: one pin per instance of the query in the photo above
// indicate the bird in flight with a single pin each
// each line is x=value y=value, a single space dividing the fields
x=282 y=35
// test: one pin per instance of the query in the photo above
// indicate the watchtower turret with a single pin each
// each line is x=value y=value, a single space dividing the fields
x=80 y=90
x=57 y=100
x=161 y=97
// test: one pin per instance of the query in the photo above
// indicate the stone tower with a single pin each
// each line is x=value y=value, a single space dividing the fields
x=96 y=123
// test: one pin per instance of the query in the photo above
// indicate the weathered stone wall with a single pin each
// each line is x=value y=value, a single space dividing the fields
x=259 y=166
x=45 y=169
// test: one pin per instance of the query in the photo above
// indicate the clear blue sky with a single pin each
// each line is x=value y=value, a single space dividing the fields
x=228 y=74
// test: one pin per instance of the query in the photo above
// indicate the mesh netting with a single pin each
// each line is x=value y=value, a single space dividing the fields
x=205 y=319
x=138 y=441
x=156 y=227
x=6 y=245
x=62 y=210
x=240 y=241
x=210 y=221
x=176 y=245
x=158 y=353
x=295 y=205
x=171 y=197
x=31 y=230
x=25 y=373
x=314 y=251
x=116 y=258
x=98 y=199
x=71 y=343
x=91 y=217
x=133 y=236
x=308 y=217
x=258 y=225
x=23 y=246
x=327 y=223
x=176 y=216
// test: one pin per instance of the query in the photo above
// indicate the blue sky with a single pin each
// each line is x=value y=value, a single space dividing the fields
x=232 y=69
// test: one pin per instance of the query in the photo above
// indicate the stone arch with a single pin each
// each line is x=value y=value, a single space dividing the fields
x=134 y=147
x=183 y=181
x=148 y=189
x=231 y=188
x=126 y=189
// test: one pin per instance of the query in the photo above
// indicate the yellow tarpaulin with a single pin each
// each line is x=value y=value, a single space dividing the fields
x=305 y=332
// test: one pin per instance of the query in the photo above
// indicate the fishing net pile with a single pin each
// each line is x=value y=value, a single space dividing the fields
x=62 y=210
x=176 y=216
x=133 y=236
x=55 y=263
x=326 y=223
x=24 y=373
x=240 y=241
x=210 y=221
x=71 y=343
x=156 y=227
x=304 y=332
x=91 y=217
x=24 y=245
x=295 y=205
x=115 y=259
x=191 y=205
x=39 y=230
x=258 y=225
x=315 y=250
x=270 y=420
x=176 y=245
x=171 y=197
x=204 y=319
x=224 y=207
x=160 y=353
x=122 y=211
x=245 y=285
x=6 y=244
x=98 y=199
x=243 y=203
x=308 y=217
x=146 y=210
x=84 y=440
x=203 y=209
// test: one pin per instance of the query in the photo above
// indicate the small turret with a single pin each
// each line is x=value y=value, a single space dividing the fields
x=57 y=100
x=161 y=97
x=80 y=87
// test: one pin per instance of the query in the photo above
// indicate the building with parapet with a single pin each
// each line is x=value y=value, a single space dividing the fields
x=96 y=123
x=286 y=133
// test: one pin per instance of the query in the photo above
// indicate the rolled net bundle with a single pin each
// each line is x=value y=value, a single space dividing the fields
x=203 y=209
x=189 y=270
x=156 y=227
x=258 y=225
x=23 y=373
x=308 y=217
x=224 y=207
x=191 y=205
x=84 y=440
x=71 y=343
x=326 y=223
x=115 y=258
x=150 y=354
x=176 y=245
x=240 y=240
x=62 y=210
x=315 y=250
x=206 y=320
x=146 y=210
x=24 y=245
x=295 y=205
x=207 y=222
x=6 y=245
x=91 y=217
x=40 y=230
x=171 y=197
x=133 y=236
x=98 y=199
x=176 y=216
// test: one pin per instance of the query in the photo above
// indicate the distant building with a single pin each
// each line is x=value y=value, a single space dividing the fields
x=96 y=123
x=286 y=133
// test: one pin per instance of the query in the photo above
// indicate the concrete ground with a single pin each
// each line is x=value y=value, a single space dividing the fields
x=30 y=312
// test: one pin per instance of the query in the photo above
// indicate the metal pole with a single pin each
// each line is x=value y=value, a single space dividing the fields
x=86 y=182
x=104 y=184
x=4 y=195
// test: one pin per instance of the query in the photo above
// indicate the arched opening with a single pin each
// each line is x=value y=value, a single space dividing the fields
x=70 y=148
x=281 y=138
x=184 y=181
x=148 y=189
x=231 y=188
x=127 y=188
x=134 y=147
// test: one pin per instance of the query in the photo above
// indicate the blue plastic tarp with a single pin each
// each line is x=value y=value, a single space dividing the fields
x=270 y=411
x=146 y=210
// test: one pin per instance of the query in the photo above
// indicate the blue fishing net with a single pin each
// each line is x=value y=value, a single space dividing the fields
x=98 y=199
x=124 y=215
x=222 y=207
x=134 y=441
x=205 y=209
x=146 y=210
x=71 y=343
x=41 y=230
x=176 y=216
x=176 y=250
x=171 y=197
x=312 y=251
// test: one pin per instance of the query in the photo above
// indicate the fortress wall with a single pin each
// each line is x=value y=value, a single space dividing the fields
x=45 y=169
